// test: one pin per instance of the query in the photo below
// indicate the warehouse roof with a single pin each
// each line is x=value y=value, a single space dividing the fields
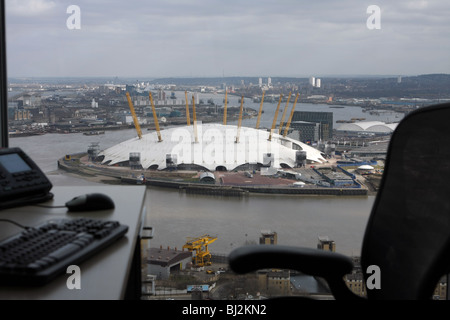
x=368 y=126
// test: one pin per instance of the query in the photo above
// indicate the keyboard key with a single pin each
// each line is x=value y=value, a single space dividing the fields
x=65 y=251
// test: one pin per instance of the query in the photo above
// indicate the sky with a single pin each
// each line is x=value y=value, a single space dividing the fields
x=214 y=38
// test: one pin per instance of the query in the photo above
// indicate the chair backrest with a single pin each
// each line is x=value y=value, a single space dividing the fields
x=408 y=233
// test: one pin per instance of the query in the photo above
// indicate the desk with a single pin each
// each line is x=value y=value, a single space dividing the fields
x=112 y=274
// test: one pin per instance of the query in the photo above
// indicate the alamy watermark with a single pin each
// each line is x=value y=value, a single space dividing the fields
x=73 y=22
x=374 y=280
x=74 y=280
x=374 y=20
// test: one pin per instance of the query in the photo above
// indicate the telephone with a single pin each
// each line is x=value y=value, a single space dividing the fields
x=21 y=181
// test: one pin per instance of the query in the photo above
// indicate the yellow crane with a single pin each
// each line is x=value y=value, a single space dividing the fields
x=290 y=116
x=275 y=118
x=133 y=114
x=260 y=110
x=240 y=120
x=199 y=247
x=155 y=118
x=195 y=119
x=284 y=114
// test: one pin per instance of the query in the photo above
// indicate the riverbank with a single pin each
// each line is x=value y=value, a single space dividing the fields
x=236 y=184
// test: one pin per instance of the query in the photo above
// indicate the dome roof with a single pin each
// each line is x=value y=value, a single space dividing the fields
x=215 y=147
x=369 y=126
x=365 y=167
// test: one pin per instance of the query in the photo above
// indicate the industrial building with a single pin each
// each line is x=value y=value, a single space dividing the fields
x=161 y=262
x=277 y=282
x=305 y=131
x=375 y=127
x=325 y=119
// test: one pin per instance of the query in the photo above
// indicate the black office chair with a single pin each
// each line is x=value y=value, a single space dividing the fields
x=408 y=232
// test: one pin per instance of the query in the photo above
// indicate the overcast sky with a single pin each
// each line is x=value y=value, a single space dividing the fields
x=213 y=38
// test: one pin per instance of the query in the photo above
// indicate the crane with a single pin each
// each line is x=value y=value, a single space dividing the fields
x=135 y=119
x=284 y=113
x=275 y=118
x=240 y=120
x=290 y=117
x=260 y=110
x=199 y=246
x=155 y=118
x=195 y=119
x=187 y=109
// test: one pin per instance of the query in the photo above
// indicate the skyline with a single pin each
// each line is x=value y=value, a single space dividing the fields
x=285 y=38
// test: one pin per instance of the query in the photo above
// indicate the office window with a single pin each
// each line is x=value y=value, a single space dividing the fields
x=3 y=82
x=71 y=65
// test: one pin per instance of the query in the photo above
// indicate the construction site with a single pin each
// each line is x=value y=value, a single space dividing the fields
x=182 y=272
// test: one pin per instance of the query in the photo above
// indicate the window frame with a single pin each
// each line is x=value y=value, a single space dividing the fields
x=3 y=81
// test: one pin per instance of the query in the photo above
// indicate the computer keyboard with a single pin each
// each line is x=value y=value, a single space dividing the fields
x=37 y=255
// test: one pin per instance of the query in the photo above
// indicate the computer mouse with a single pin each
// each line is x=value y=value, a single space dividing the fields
x=90 y=202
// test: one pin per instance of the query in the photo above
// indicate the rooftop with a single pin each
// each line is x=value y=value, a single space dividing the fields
x=166 y=257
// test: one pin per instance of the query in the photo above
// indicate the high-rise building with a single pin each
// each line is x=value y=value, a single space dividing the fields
x=318 y=83
x=305 y=131
x=325 y=119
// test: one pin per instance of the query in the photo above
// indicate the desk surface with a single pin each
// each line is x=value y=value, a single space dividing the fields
x=103 y=276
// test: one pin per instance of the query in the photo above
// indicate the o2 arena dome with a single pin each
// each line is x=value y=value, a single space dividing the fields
x=212 y=147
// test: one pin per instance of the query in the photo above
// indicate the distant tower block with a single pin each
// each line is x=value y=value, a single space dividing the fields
x=326 y=244
x=318 y=83
x=268 y=237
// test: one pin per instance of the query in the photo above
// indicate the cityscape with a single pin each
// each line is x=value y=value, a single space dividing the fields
x=95 y=106
x=214 y=126
x=59 y=105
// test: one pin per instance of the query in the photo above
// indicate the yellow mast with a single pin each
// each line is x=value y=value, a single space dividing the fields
x=187 y=109
x=290 y=117
x=275 y=118
x=284 y=114
x=135 y=120
x=195 y=119
x=260 y=110
x=155 y=118
x=240 y=120
x=225 y=108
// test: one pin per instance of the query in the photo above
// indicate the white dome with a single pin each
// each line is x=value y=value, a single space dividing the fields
x=215 y=147
x=368 y=126
x=365 y=167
